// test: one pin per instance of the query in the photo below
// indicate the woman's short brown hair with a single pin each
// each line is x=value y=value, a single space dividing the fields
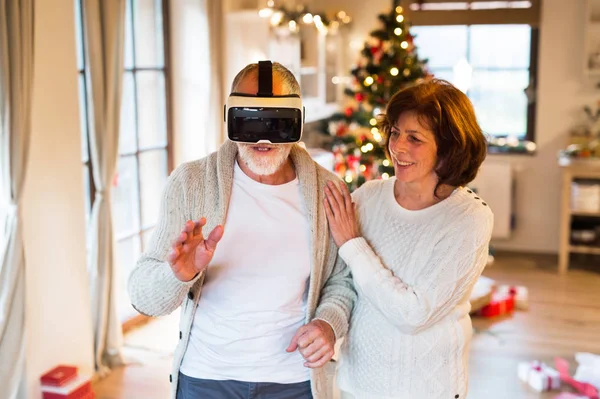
x=448 y=112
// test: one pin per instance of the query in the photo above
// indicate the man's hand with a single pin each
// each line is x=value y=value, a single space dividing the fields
x=191 y=253
x=315 y=341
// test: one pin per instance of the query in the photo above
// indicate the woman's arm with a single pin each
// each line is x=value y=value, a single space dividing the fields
x=453 y=269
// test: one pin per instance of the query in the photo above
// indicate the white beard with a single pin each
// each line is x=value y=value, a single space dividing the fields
x=267 y=164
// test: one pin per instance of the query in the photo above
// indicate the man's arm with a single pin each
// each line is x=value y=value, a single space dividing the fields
x=153 y=288
x=337 y=297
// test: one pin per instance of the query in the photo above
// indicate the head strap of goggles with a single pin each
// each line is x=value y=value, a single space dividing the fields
x=265 y=79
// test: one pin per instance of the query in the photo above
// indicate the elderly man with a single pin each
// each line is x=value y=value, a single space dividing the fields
x=264 y=296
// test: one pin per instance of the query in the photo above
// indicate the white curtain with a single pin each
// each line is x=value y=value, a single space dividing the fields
x=16 y=76
x=104 y=26
x=215 y=18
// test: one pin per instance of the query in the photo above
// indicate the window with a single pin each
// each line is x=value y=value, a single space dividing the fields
x=144 y=143
x=494 y=64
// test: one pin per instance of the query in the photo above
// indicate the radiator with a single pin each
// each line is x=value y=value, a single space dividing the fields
x=494 y=183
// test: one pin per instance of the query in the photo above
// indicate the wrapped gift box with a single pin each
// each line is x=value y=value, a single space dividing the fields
x=520 y=293
x=79 y=387
x=539 y=376
x=59 y=376
x=500 y=305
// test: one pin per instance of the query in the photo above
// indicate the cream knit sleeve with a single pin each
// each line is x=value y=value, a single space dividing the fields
x=453 y=267
x=153 y=288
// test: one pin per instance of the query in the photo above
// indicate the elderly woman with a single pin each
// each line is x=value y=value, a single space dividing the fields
x=416 y=244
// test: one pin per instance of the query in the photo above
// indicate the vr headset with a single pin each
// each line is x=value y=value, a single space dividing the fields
x=264 y=118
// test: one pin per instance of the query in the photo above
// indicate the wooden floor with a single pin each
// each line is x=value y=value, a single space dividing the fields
x=564 y=318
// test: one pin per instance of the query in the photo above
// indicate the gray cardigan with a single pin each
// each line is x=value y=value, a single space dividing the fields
x=203 y=188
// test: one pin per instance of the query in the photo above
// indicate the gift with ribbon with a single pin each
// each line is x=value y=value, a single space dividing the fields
x=583 y=388
x=501 y=304
x=518 y=292
x=539 y=376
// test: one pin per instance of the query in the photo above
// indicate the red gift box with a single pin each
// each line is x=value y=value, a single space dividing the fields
x=500 y=305
x=59 y=376
x=78 y=388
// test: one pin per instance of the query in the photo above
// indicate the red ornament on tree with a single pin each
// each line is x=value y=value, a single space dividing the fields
x=359 y=97
x=341 y=130
x=349 y=111
x=380 y=79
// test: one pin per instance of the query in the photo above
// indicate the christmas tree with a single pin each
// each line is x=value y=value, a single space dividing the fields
x=387 y=63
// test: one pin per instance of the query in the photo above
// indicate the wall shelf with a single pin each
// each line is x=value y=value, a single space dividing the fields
x=582 y=249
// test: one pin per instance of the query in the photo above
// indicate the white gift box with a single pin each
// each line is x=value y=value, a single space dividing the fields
x=588 y=369
x=539 y=376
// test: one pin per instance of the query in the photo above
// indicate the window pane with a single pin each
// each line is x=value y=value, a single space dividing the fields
x=79 y=35
x=146 y=238
x=499 y=100
x=83 y=119
x=500 y=46
x=148 y=33
x=446 y=74
x=128 y=36
x=127 y=139
x=151 y=109
x=153 y=176
x=127 y=254
x=444 y=46
x=125 y=197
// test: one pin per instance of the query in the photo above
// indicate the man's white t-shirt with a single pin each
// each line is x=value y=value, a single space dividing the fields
x=254 y=295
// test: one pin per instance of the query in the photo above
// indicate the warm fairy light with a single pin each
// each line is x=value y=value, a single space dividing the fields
x=293 y=26
x=362 y=168
x=400 y=18
x=373 y=121
x=399 y=10
x=265 y=12
x=397 y=31
x=394 y=71
x=307 y=18
x=369 y=81
x=348 y=179
x=374 y=130
x=276 y=18
x=404 y=45
x=385 y=176
x=386 y=162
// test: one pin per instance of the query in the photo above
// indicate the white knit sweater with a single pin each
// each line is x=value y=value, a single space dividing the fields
x=413 y=271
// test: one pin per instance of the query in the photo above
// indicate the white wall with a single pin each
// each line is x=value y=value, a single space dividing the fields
x=58 y=318
x=562 y=92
